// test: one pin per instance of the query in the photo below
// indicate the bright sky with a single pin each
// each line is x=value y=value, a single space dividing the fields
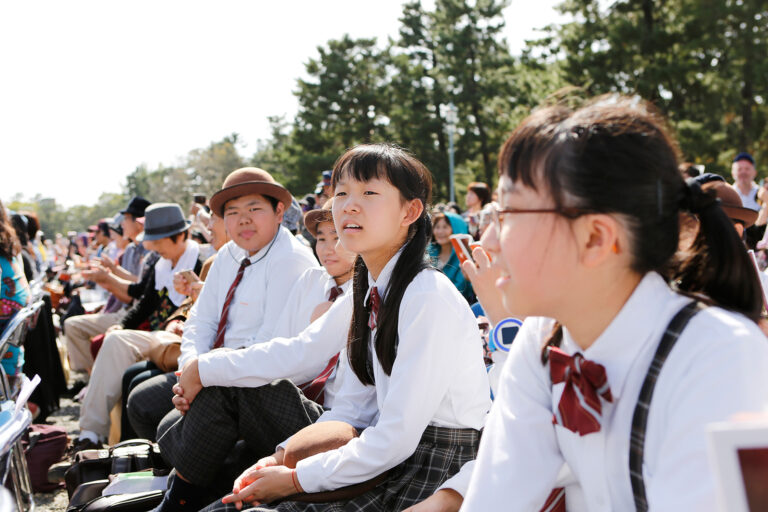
x=91 y=89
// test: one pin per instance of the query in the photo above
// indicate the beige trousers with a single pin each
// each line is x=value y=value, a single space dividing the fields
x=120 y=350
x=79 y=331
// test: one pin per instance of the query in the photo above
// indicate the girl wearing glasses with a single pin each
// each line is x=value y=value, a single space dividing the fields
x=585 y=242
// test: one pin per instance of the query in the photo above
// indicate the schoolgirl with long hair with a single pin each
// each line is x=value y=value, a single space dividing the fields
x=415 y=382
x=616 y=371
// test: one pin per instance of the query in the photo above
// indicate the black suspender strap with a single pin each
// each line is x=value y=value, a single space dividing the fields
x=640 y=417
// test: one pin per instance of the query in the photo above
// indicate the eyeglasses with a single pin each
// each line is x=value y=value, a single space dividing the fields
x=497 y=214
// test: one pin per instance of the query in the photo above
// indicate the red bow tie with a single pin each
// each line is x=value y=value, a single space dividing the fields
x=579 y=409
x=374 y=301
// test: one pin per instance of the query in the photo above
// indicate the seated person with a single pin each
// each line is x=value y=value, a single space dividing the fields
x=396 y=325
x=14 y=288
x=442 y=254
x=246 y=289
x=315 y=292
x=166 y=234
x=80 y=329
x=165 y=359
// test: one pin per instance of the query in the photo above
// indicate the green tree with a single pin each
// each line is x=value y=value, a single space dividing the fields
x=208 y=167
x=700 y=61
x=477 y=66
x=343 y=102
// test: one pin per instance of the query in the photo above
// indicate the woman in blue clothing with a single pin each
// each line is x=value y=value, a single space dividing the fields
x=442 y=254
x=14 y=289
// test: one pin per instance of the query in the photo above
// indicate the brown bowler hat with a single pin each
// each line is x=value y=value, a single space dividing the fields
x=731 y=203
x=314 y=217
x=248 y=180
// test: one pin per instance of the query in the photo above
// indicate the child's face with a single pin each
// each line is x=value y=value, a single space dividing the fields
x=537 y=252
x=251 y=222
x=371 y=217
x=332 y=255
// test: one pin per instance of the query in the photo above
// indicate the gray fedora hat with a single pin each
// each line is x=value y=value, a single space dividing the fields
x=162 y=220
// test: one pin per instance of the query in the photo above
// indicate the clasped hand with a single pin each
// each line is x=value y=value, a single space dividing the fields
x=264 y=482
x=187 y=388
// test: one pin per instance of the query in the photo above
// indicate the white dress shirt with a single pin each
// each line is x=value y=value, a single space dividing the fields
x=438 y=378
x=258 y=301
x=165 y=270
x=749 y=200
x=716 y=369
x=255 y=367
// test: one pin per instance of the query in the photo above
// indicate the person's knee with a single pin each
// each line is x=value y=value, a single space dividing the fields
x=113 y=343
x=71 y=325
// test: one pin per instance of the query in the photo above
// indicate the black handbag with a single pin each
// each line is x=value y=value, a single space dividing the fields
x=125 y=457
x=133 y=502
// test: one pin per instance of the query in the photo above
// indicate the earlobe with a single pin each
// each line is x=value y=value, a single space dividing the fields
x=601 y=240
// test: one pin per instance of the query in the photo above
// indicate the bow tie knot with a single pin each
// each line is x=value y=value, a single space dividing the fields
x=334 y=293
x=586 y=383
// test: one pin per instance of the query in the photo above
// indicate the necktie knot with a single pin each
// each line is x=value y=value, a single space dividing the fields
x=245 y=263
x=374 y=302
x=586 y=383
x=334 y=293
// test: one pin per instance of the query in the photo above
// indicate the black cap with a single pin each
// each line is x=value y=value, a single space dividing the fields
x=136 y=207
x=744 y=156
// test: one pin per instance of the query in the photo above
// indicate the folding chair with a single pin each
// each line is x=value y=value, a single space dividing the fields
x=13 y=463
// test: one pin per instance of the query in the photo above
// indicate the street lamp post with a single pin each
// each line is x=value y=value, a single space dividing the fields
x=451 y=118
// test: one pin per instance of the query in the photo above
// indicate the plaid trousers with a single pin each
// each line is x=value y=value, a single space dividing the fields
x=440 y=454
x=199 y=442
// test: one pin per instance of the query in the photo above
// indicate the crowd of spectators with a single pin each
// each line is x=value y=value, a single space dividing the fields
x=279 y=349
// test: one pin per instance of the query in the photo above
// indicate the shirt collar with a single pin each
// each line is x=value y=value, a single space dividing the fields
x=632 y=329
x=164 y=271
x=382 y=283
x=330 y=283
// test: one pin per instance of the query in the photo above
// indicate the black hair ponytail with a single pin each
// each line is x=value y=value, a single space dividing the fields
x=717 y=264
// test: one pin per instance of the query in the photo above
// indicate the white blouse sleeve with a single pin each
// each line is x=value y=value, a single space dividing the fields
x=428 y=356
x=519 y=457
x=300 y=358
x=460 y=481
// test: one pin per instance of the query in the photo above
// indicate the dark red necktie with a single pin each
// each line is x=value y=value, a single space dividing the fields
x=315 y=389
x=374 y=301
x=555 y=501
x=334 y=293
x=579 y=409
x=225 y=310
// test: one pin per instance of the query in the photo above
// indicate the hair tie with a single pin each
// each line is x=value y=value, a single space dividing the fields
x=696 y=200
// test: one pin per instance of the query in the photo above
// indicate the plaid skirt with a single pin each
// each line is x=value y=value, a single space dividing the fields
x=439 y=455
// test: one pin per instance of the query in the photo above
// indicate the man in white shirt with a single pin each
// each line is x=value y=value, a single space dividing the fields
x=262 y=415
x=744 y=174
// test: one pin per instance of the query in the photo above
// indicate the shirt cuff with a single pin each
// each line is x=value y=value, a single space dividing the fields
x=460 y=481
x=209 y=368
